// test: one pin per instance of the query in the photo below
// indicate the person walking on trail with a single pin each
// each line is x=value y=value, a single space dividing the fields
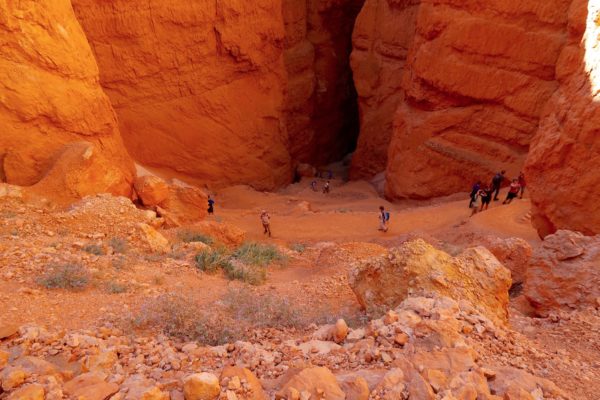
x=522 y=183
x=485 y=195
x=265 y=218
x=326 y=187
x=384 y=219
x=476 y=202
x=313 y=186
x=211 y=206
x=513 y=191
x=474 y=193
x=497 y=181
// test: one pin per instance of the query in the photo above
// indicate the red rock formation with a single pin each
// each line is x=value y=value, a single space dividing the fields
x=320 y=103
x=562 y=167
x=457 y=91
x=563 y=273
x=50 y=96
x=198 y=86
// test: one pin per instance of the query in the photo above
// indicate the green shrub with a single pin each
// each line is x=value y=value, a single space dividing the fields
x=68 y=276
x=191 y=237
x=119 y=245
x=258 y=254
x=263 y=310
x=253 y=275
x=211 y=260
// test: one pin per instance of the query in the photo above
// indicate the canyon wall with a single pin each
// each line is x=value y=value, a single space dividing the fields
x=198 y=87
x=462 y=95
x=50 y=96
x=562 y=167
x=321 y=111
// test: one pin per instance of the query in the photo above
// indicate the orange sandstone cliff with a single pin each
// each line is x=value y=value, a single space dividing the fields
x=50 y=96
x=198 y=87
x=456 y=94
x=563 y=164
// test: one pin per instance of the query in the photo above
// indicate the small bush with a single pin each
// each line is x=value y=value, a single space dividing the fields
x=191 y=237
x=262 y=311
x=253 y=275
x=94 y=249
x=211 y=260
x=116 y=288
x=69 y=276
x=119 y=245
x=258 y=254
x=298 y=247
x=179 y=317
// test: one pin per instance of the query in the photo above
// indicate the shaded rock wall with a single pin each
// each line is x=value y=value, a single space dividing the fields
x=462 y=95
x=562 y=166
x=50 y=96
x=321 y=110
x=198 y=86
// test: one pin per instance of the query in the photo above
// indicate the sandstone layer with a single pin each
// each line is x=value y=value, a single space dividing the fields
x=50 y=96
x=453 y=93
x=562 y=167
x=563 y=273
x=198 y=87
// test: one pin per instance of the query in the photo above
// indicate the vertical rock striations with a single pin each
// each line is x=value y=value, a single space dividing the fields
x=50 y=96
x=457 y=92
x=198 y=86
x=562 y=166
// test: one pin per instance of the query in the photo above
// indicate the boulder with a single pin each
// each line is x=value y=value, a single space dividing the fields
x=417 y=268
x=246 y=376
x=157 y=242
x=90 y=386
x=513 y=253
x=226 y=233
x=319 y=382
x=29 y=392
x=356 y=388
x=563 y=272
x=151 y=190
x=203 y=386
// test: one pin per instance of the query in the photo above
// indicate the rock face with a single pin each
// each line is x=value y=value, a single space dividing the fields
x=456 y=89
x=198 y=87
x=563 y=272
x=321 y=112
x=418 y=268
x=50 y=96
x=562 y=167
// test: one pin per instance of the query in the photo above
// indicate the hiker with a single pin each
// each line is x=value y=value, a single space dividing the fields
x=497 y=181
x=326 y=187
x=485 y=195
x=265 y=218
x=513 y=191
x=476 y=202
x=384 y=219
x=522 y=183
x=211 y=204
x=313 y=186
x=474 y=193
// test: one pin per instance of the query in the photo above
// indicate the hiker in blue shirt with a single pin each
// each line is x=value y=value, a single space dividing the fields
x=384 y=219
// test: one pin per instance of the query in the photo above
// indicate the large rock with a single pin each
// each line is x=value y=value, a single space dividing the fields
x=563 y=272
x=318 y=382
x=51 y=96
x=451 y=91
x=81 y=170
x=247 y=378
x=90 y=386
x=562 y=166
x=417 y=268
x=151 y=190
x=513 y=253
x=198 y=87
x=203 y=386
x=29 y=392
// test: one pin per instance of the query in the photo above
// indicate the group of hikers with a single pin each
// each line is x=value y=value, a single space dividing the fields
x=481 y=196
x=480 y=199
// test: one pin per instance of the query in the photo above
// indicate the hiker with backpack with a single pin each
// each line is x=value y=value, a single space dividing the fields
x=265 y=218
x=497 y=181
x=474 y=193
x=384 y=219
x=326 y=188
